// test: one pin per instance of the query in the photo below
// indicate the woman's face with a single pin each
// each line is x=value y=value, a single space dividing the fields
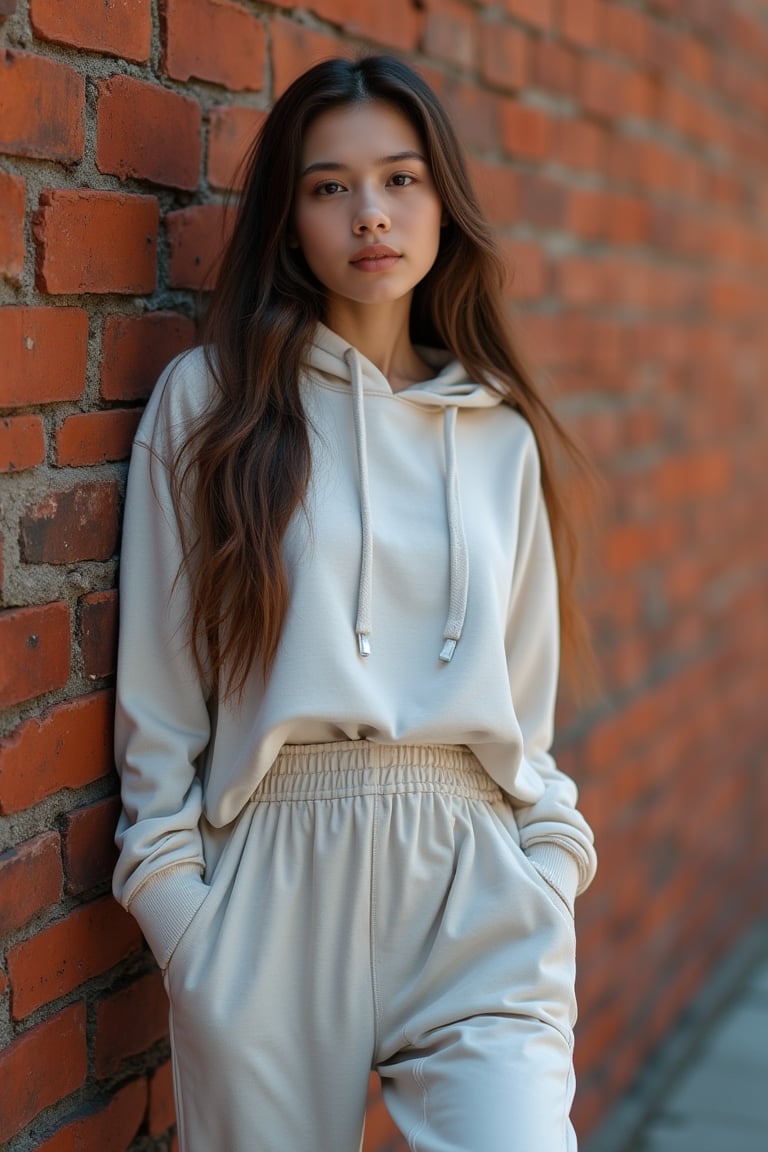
x=367 y=216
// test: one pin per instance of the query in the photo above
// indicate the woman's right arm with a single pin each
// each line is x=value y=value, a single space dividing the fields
x=162 y=724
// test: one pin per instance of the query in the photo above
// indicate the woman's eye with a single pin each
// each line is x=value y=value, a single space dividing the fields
x=402 y=179
x=328 y=188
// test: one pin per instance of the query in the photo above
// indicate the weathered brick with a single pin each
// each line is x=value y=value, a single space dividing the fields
x=44 y=355
x=35 y=645
x=526 y=132
x=296 y=47
x=539 y=13
x=80 y=523
x=112 y=1128
x=498 y=190
x=554 y=66
x=148 y=133
x=43 y=1065
x=135 y=349
x=95 y=437
x=451 y=33
x=214 y=40
x=231 y=133
x=96 y=242
x=42 y=104
x=61 y=957
x=118 y=27
x=504 y=55
x=196 y=238
x=31 y=879
x=7 y=8
x=98 y=622
x=580 y=21
x=130 y=1022
x=22 y=443
x=162 y=1112
x=67 y=747
x=12 y=200
x=89 y=844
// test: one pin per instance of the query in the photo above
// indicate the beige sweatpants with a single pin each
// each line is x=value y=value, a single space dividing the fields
x=372 y=908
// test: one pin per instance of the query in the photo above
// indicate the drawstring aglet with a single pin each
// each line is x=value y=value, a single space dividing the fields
x=363 y=644
x=448 y=649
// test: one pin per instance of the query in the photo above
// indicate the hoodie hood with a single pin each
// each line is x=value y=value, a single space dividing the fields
x=335 y=361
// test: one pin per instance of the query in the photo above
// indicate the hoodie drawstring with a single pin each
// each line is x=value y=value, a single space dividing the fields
x=364 y=620
x=459 y=560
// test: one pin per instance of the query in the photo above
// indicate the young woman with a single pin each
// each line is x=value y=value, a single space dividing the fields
x=343 y=834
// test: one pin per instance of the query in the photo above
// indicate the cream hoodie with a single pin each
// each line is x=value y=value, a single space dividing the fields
x=423 y=610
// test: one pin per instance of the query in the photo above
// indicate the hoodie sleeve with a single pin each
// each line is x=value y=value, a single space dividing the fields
x=553 y=833
x=162 y=724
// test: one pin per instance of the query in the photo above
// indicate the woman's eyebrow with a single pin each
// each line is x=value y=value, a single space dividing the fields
x=335 y=166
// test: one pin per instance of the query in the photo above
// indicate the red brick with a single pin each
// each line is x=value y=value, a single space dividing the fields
x=528 y=270
x=450 y=33
x=3 y=983
x=31 y=879
x=129 y=1023
x=112 y=1129
x=397 y=24
x=42 y=1066
x=627 y=33
x=118 y=27
x=196 y=239
x=539 y=13
x=96 y=242
x=35 y=646
x=95 y=437
x=230 y=136
x=7 y=8
x=214 y=40
x=504 y=56
x=498 y=191
x=554 y=66
x=526 y=131
x=41 y=108
x=22 y=443
x=44 y=355
x=701 y=475
x=296 y=47
x=148 y=133
x=86 y=943
x=603 y=88
x=67 y=747
x=12 y=201
x=89 y=844
x=162 y=1112
x=580 y=144
x=80 y=523
x=475 y=114
x=98 y=623
x=135 y=349
x=579 y=21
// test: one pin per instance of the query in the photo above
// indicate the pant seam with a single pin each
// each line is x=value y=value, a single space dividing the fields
x=421 y=1124
x=372 y=924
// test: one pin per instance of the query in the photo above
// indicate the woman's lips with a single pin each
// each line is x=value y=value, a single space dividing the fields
x=375 y=258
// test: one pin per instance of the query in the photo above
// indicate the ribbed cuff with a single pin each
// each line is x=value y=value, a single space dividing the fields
x=165 y=906
x=559 y=868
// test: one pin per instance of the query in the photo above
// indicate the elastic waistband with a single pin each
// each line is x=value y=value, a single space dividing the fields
x=362 y=768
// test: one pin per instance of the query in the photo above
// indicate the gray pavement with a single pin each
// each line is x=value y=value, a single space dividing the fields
x=707 y=1091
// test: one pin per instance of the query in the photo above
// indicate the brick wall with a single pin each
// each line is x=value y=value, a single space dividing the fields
x=620 y=150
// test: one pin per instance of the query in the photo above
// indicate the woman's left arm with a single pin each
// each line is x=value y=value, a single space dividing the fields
x=553 y=832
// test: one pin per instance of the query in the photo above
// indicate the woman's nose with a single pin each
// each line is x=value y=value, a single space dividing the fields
x=370 y=217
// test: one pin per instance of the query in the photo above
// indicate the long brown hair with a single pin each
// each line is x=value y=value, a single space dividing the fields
x=244 y=471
